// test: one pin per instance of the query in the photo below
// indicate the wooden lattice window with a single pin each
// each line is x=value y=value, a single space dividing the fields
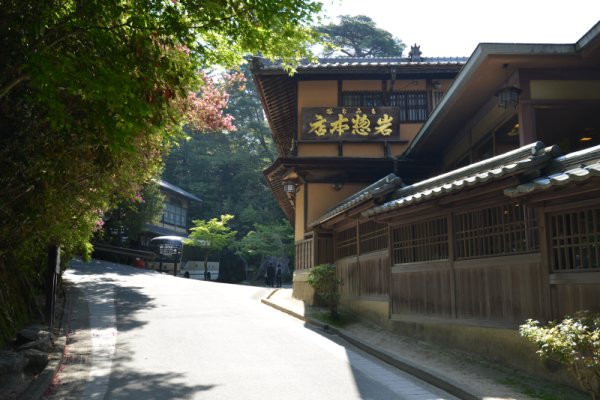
x=412 y=105
x=505 y=229
x=420 y=241
x=345 y=243
x=362 y=99
x=575 y=240
x=373 y=236
x=436 y=98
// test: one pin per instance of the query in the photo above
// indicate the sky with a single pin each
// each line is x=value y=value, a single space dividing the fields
x=454 y=28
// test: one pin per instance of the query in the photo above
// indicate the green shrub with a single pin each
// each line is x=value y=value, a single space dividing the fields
x=574 y=342
x=326 y=284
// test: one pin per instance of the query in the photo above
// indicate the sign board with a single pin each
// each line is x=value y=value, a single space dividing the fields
x=350 y=123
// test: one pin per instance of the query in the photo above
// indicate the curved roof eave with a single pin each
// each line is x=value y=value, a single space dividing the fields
x=473 y=66
x=526 y=158
x=177 y=190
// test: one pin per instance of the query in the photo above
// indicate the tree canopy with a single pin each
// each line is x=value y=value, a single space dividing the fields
x=92 y=91
x=276 y=239
x=226 y=170
x=358 y=36
x=211 y=235
x=123 y=224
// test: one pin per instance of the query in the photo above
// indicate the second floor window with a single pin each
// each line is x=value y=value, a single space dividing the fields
x=362 y=99
x=413 y=105
x=174 y=214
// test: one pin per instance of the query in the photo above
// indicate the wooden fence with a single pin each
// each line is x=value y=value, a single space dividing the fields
x=499 y=264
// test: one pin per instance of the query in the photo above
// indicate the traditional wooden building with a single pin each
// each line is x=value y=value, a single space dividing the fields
x=453 y=195
x=174 y=220
x=340 y=125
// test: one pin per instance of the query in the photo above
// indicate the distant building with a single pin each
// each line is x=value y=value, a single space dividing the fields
x=174 y=220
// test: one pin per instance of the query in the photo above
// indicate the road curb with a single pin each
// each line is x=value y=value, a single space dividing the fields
x=423 y=374
x=40 y=385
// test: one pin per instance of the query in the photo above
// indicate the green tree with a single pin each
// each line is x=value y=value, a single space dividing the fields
x=123 y=224
x=226 y=170
x=358 y=36
x=90 y=94
x=246 y=109
x=267 y=240
x=213 y=235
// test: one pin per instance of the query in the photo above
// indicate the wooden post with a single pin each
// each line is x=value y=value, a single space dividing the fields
x=52 y=272
x=452 y=259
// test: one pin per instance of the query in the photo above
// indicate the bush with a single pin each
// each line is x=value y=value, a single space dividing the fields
x=326 y=284
x=574 y=342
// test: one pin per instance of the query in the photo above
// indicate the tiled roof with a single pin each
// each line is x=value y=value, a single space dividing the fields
x=573 y=167
x=385 y=185
x=380 y=61
x=363 y=62
x=513 y=162
x=174 y=189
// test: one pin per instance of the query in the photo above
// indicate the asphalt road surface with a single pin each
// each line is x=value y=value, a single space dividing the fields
x=138 y=334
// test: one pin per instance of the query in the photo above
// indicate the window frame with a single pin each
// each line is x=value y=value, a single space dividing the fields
x=414 y=106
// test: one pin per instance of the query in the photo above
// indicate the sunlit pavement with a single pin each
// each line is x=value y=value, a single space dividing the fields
x=154 y=336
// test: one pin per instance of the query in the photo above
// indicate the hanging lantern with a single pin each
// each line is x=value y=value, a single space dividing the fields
x=508 y=97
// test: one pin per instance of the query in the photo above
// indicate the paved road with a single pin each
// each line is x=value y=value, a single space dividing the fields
x=144 y=335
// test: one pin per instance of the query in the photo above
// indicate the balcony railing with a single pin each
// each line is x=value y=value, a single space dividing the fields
x=314 y=251
x=304 y=254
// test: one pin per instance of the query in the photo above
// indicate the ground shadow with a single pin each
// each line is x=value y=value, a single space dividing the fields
x=157 y=386
x=128 y=300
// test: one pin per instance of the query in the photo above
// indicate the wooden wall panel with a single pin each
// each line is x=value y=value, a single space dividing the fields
x=506 y=289
x=347 y=271
x=366 y=276
x=374 y=274
x=574 y=297
x=324 y=250
x=425 y=292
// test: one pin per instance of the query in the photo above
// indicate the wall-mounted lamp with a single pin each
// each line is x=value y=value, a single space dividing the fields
x=437 y=85
x=508 y=96
x=290 y=187
x=290 y=182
